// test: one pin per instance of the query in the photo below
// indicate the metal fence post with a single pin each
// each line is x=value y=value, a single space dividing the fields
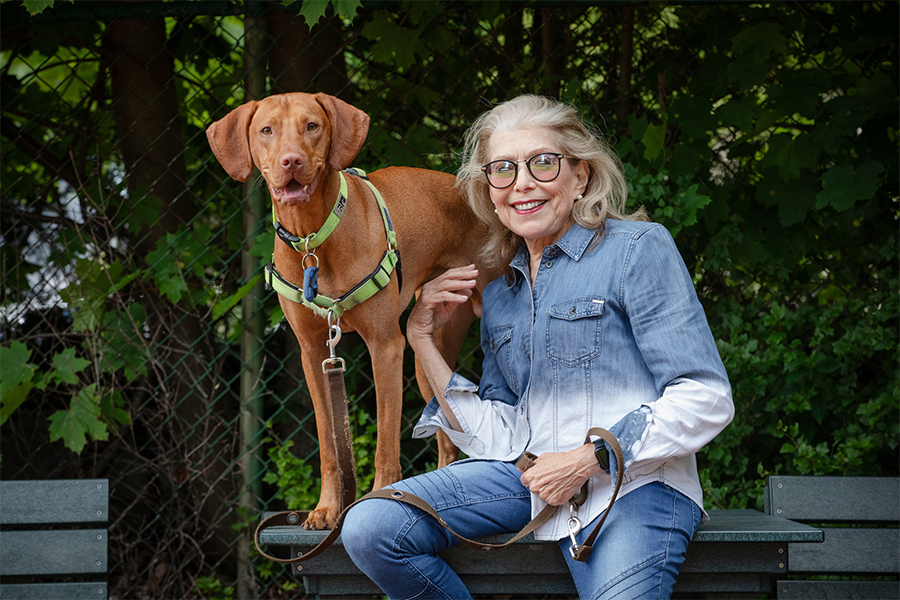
x=253 y=322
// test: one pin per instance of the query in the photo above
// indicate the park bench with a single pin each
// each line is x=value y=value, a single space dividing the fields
x=738 y=553
x=42 y=555
x=862 y=540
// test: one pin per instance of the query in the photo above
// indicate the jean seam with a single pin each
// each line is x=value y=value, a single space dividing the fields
x=625 y=574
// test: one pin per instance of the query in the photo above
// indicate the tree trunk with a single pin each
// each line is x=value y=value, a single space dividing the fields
x=625 y=60
x=301 y=60
x=145 y=106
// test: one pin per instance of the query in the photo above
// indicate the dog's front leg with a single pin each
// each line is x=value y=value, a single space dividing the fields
x=387 y=367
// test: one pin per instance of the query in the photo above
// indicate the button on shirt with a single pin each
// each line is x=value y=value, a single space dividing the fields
x=610 y=335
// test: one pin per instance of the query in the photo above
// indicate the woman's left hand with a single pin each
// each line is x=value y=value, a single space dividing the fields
x=557 y=476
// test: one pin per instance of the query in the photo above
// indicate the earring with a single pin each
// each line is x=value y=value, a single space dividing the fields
x=495 y=211
x=580 y=197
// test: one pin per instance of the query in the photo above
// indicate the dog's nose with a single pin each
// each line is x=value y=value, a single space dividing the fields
x=291 y=160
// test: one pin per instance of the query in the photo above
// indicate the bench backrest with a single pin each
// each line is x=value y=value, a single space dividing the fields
x=870 y=504
x=44 y=551
x=834 y=499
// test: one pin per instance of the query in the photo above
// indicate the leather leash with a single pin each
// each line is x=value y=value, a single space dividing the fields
x=582 y=553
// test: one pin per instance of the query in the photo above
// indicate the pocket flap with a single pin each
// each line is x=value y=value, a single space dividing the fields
x=499 y=336
x=577 y=309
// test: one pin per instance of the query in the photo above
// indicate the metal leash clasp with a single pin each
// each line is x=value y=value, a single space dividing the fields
x=574 y=526
x=334 y=336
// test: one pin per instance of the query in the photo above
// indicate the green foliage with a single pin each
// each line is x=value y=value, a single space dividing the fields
x=313 y=10
x=293 y=477
x=211 y=588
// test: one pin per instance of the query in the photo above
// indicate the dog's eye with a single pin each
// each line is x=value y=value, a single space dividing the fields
x=267 y=130
x=312 y=127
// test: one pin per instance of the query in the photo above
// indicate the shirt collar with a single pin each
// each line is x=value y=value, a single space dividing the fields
x=574 y=243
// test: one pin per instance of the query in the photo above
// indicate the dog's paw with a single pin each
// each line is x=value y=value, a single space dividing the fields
x=321 y=518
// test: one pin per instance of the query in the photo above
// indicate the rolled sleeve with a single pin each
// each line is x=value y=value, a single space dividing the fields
x=488 y=426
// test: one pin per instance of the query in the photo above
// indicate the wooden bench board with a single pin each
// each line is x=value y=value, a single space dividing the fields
x=55 y=591
x=849 y=550
x=54 y=501
x=834 y=499
x=57 y=552
x=838 y=590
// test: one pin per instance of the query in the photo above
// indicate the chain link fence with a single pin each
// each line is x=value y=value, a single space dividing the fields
x=152 y=355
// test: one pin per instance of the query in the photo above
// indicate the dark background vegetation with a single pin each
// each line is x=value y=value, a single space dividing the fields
x=137 y=344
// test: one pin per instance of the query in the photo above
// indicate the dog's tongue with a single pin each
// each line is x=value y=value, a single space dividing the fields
x=295 y=192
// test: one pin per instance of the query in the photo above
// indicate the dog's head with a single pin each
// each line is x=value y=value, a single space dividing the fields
x=291 y=138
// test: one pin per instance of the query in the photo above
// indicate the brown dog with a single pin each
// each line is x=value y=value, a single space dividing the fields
x=300 y=142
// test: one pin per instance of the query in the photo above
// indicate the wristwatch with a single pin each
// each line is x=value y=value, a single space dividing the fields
x=602 y=454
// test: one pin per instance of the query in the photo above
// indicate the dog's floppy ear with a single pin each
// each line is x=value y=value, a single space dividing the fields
x=349 y=127
x=228 y=138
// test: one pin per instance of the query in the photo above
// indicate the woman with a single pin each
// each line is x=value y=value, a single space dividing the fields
x=596 y=324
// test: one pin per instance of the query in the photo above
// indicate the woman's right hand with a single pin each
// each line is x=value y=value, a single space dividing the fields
x=438 y=300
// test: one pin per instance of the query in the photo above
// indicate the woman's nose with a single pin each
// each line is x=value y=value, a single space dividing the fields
x=524 y=180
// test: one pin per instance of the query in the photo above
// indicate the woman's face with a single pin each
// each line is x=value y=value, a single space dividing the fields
x=540 y=212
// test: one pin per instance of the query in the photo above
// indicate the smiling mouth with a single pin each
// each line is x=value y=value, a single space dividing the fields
x=528 y=206
x=293 y=193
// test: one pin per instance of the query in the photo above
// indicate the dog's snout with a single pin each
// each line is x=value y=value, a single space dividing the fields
x=291 y=161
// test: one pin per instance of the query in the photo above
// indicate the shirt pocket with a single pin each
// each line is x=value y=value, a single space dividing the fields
x=501 y=347
x=573 y=331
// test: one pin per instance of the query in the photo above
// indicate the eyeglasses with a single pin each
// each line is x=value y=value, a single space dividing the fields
x=543 y=167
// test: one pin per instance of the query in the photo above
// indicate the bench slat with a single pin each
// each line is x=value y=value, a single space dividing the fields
x=836 y=499
x=61 y=552
x=838 y=590
x=54 y=501
x=54 y=591
x=849 y=550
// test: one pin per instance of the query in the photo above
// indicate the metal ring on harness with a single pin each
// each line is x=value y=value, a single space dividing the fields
x=308 y=254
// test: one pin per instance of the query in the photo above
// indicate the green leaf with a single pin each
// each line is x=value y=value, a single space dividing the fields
x=224 y=305
x=311 y=10
x=760 y=41
x=393 y=42
x=263 y=244
x=791 y=155
x=12 y=399
x=347 y=8
x=654 y=140
x=66 y=365
x=843 y=186
x=14 y=366
x=81 y=420
x=36 y=7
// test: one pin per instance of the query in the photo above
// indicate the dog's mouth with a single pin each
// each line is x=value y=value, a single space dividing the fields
x=293 y=192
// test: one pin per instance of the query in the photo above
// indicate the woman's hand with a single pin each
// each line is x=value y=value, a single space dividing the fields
x=557 y=476
x=437 y=301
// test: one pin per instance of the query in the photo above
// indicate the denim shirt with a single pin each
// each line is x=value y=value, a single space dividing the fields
x=610 y=335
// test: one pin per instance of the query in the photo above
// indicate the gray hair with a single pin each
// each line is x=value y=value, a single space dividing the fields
x=604 y=197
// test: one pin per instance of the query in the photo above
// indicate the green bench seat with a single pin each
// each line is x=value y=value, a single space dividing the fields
x=738 y=552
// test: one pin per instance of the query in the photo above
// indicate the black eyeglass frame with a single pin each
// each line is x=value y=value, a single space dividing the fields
x=484 y=169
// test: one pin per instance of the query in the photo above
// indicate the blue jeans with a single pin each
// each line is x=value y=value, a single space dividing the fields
x=637 y=554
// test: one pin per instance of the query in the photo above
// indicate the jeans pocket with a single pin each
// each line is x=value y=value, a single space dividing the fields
x=573 y=331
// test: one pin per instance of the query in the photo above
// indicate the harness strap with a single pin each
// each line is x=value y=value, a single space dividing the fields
x=295 y=518
x=376 y=281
